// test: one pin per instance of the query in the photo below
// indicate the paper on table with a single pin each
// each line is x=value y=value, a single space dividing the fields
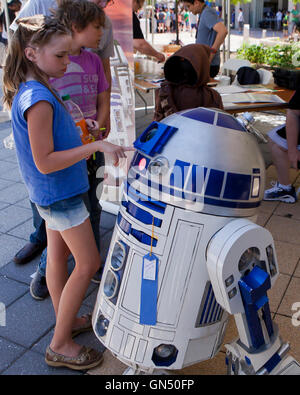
x=228 y=89
x=251 y=98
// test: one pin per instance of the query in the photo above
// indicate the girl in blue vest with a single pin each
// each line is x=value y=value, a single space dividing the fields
x=52 y=162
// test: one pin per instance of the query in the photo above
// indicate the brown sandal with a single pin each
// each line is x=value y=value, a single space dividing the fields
x=85 y=327
x=88 y=358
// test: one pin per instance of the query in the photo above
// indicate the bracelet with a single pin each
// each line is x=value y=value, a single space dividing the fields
x=213 y=50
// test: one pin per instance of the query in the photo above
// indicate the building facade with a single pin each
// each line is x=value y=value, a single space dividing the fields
x=262 y=13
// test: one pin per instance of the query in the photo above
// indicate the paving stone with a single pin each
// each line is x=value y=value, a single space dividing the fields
x=21 y=273
x=8 y=155
x=6 y=167
x=23 y=231
x=12 y=173
x=284 y=229
x=3 y=205
x=9 y=245
x=13 y=193
x=13 y=216
x=27 y=320
x=11 y=290
x=9 y=353
x=4 y=183
x=24 y=203
x=88 y=338
x=287 y=256
x=34 y=362
x=291 y=296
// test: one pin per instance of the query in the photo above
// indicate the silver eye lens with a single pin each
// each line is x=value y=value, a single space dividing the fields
x=159 y=165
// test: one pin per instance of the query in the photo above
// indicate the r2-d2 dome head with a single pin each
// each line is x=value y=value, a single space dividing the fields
x=200 y=159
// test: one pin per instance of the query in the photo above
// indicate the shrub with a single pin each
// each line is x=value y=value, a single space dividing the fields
x=275 y=56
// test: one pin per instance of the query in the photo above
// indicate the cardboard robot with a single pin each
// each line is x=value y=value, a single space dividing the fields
x=186 y=252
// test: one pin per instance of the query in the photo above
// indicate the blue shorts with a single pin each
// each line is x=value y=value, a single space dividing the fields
x=64 y=214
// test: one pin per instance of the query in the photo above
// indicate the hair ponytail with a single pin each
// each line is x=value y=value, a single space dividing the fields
x=36 y=30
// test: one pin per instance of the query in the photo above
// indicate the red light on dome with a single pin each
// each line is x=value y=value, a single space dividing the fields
x=142 y=164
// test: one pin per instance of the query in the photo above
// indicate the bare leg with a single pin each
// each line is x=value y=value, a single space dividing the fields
x=281 y=162
x=56 y=269
x=80 y=241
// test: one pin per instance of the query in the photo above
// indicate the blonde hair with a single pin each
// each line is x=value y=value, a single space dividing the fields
x=32 y=31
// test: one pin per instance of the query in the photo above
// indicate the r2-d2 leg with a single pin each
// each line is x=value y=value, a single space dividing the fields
x=242 y=265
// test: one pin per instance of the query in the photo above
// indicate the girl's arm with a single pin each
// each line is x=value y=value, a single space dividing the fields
x=103 y=111
x=39 y=120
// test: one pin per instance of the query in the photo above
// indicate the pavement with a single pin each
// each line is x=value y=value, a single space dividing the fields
x=29 y=323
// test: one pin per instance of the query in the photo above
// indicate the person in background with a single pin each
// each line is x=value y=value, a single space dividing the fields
x=187 y=75
x=211 y=31
x=240 y=20
x=295 y=19
x=14 y=7
x=139 y=42
x=233 y=19
x=285 y=24
x=284 y=143
x=278 y=20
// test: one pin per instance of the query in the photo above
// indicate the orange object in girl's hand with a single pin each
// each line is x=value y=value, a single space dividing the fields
x=85 y=134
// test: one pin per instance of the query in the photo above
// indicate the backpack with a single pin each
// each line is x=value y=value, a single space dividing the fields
x=247 y=76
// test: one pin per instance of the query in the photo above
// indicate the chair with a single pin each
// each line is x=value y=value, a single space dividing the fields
x=266 y=77
x=232 y=65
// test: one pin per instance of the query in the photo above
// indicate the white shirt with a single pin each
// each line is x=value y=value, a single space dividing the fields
x=240 y=17
x=279 y=16
x=34 y=7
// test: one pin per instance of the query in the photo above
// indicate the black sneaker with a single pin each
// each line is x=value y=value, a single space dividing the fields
x=280 y=194
x=38 y=287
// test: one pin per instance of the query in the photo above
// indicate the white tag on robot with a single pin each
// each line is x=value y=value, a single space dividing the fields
x=149 y=269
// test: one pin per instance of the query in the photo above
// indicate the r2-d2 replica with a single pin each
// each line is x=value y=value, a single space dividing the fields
x=186 y=253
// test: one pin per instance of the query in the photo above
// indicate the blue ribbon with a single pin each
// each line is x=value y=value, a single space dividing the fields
x=149 y=287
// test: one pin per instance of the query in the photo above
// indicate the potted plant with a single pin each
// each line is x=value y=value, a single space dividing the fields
x=283 y=59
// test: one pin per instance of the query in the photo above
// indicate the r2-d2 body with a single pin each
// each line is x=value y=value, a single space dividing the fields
x=185 y=252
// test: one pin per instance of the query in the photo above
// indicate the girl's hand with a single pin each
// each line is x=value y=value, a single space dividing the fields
x=93 y=127
x=115 y=151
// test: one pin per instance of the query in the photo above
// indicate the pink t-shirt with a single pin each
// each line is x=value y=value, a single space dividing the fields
x=84 y=80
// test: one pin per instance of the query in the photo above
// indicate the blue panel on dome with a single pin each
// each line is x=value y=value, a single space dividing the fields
x=179 y=173
x=228 y=121
x=196 y=179
x=237 y=186
x=153 y=139
x=200 y=114
x=215 y=182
